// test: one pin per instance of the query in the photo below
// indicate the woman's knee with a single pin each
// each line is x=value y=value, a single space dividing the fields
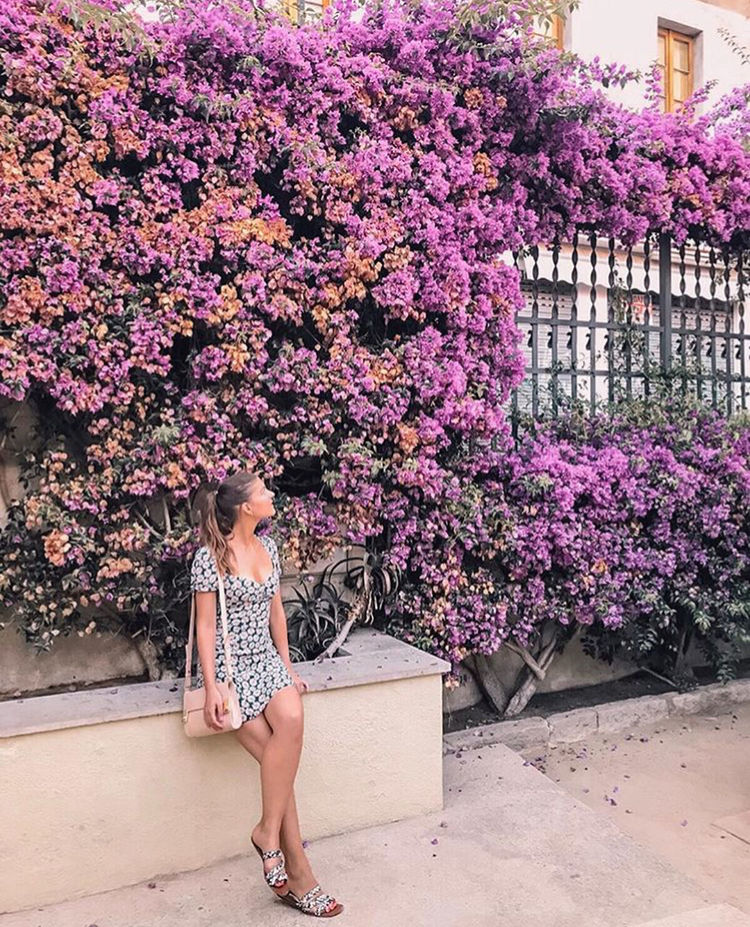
x=285 y=713
x=294 y=723
x=291 y=723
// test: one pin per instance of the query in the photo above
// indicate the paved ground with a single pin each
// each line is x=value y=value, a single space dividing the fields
x=680 y=786
x=510 y=849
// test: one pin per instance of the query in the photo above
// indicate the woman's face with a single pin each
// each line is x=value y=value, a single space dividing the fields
x=261 y=500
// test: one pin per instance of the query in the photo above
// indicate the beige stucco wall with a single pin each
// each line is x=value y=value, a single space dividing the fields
x=627 y=33
x=72 y=661
x=98 y=806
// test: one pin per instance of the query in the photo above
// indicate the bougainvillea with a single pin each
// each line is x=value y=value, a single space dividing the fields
x=230 y=242
x=633 y=527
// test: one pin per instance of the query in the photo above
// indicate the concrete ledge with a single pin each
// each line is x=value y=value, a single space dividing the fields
x=708 y=698
x=617 y=716
x=609 y=717
x=102 y=789
x=369 y=656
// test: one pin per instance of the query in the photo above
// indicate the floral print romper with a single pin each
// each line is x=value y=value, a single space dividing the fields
x=259 y=671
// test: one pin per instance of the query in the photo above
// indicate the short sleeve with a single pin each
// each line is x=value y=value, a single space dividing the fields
x=274 y=549
x=203 y=575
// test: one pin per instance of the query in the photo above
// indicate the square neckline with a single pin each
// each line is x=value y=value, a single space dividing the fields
x=250 y=578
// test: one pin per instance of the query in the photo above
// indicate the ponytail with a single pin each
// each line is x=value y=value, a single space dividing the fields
x=211 y=534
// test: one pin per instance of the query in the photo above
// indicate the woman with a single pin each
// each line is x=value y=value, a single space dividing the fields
x=269 y=690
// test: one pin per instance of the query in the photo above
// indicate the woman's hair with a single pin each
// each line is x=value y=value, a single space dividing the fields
x=217 y=513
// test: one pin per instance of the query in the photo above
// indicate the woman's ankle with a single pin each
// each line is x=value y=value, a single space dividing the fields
x=264 y=834
x=295 y=858
x=300 y=873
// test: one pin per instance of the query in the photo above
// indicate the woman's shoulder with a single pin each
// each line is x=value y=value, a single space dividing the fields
x=273 y=548
x=205 y=557
x=203 y=570
x=202 y=555
x=269 y=540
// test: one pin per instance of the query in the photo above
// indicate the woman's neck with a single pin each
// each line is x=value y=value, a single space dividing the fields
x=244 y=535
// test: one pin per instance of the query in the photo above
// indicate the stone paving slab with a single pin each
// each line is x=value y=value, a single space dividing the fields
x=717 y=915
x=738 y=825
x=511 y=848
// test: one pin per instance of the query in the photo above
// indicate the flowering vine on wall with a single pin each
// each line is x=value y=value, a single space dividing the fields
x=229 y=242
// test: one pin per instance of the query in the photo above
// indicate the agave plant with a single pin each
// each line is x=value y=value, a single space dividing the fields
x=319 y=618
x=374 y=583
x=314 y=616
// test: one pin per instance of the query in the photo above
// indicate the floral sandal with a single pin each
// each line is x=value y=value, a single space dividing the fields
x=276 y=877
x=313 y=902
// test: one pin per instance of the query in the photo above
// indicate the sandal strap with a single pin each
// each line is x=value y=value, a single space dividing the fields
x=324 y=900
x=308 y=896
x=313 y=903
x=270 y=854
x=276 y=875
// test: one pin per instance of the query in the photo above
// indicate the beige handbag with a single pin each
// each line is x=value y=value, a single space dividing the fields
x=194 y=700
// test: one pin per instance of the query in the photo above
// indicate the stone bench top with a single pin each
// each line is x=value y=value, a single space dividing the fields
x=368 y=656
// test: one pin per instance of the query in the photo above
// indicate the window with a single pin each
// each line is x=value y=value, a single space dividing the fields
x=550 y=29
x=676 y=65
x=297 y=10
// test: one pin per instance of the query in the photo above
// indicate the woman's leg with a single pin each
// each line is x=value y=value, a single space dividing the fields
x=254 y=735
x=258 y=736
x=280 y=761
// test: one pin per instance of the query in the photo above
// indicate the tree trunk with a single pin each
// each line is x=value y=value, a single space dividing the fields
x=361 y=610
x=150 y=656
x=489 y=682
x=529 y=685
x=681 y=666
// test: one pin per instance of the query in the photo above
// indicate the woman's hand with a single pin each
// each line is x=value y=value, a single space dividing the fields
x=298 y=681
x=214 y=710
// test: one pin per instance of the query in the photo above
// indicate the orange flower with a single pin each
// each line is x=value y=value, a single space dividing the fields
x=408 y=438
x=56 y=543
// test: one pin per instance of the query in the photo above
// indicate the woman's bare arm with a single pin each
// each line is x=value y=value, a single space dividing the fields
x=205 y=633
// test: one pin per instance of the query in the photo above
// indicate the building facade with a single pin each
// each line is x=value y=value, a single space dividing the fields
x=689 y=39
x=598 y=317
